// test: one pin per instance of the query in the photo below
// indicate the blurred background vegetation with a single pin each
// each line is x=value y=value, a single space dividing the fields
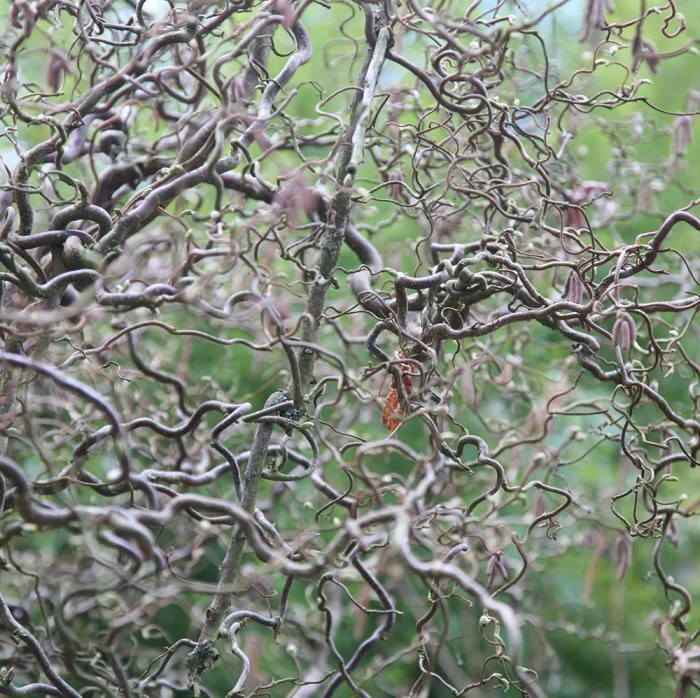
x=594 y=599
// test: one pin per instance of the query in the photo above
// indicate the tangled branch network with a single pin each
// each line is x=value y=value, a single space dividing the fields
x=339 y=338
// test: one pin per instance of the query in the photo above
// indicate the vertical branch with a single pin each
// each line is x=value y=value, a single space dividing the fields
x=331 y=245
x=350 y=157
x=232 y=560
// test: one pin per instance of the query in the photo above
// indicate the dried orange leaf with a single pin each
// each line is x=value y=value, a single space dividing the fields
x=392 y=413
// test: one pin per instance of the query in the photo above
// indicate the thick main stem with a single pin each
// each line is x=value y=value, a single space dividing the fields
x=232 y=560
x=349 y=158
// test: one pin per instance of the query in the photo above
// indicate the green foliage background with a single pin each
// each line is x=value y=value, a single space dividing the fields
x=600 y=633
